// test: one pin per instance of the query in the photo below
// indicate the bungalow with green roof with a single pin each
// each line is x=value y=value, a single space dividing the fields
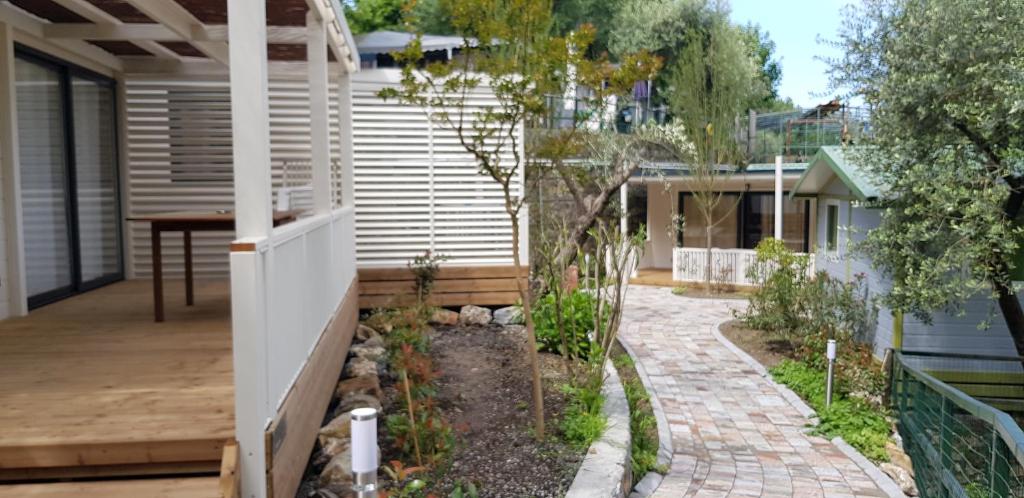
x=847 y=207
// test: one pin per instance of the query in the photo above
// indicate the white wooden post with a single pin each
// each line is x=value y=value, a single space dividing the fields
x=778 y=197
x=319 y=111
x=346 y=158
x=624 y=216
x=250 y=124
x=9 y=160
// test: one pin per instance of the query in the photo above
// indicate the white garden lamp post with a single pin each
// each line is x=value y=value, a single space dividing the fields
x=365 y=458
x=830 y=353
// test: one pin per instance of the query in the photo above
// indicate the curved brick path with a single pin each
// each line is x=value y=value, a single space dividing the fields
x=733 y=434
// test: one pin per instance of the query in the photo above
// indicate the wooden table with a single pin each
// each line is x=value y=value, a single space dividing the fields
x=186 y=223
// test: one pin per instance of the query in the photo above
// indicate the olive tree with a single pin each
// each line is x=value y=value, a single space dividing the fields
x=945 y=80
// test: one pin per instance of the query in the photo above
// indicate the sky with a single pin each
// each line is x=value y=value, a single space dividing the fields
x=794 y=26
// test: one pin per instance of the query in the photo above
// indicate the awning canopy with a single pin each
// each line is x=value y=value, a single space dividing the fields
x=382 y=42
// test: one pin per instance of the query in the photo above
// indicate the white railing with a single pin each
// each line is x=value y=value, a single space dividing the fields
x=728 y=266
x=285 y=292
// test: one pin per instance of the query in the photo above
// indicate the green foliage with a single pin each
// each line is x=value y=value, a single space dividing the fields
x=571 y=14
x=780 y=276
x=583 y=423
x=945 y=81
x=365 y=16
x=643 y=427
x=425 y=268
x=464 y=490
x=577 y=318
x=859 y=423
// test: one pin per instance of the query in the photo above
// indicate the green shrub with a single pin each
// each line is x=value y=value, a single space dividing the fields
x=780 y=275
x=860 y=424
x=577 y=318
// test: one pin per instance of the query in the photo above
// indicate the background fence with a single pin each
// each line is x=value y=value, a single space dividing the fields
x=960 y=446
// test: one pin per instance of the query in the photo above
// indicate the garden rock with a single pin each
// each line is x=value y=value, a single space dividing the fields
x=365 y=384
x=376 y=341
x=338 y=472
x=901 y=476
x=353 y=401
x=332 y=446
x=508 y=315
x=474 y=315
x=358 y=367
x=442 y=316
x=369 y=352
x=365 y=333
x=339 y=427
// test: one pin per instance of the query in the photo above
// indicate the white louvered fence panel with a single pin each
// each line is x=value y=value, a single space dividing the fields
x=416 y=186
x=180 y=159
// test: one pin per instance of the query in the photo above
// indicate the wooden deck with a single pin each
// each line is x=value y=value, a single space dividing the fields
x=91 y=386
x=654 y=276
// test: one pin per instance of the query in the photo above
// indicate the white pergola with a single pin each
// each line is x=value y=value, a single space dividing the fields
x=293 y=286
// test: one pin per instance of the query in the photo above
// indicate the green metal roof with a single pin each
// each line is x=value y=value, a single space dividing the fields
x=834 y=158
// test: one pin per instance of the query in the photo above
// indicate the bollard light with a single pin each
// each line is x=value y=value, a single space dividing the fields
x=365 y=459
x=830 y=353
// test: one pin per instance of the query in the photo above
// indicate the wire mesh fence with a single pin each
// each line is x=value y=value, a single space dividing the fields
x=960 y=445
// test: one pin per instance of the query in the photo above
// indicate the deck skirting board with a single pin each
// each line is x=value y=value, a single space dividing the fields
x=454 y=286
x=292 y=433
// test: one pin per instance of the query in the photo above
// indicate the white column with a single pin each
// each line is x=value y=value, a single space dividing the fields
x=346 y=158
x=250 y=267
x=624 y=202
x=250 y=115
x=319 y=112
x=778 y=197
x=11 y=178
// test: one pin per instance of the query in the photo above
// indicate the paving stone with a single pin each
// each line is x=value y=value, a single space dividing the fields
x=733 y=432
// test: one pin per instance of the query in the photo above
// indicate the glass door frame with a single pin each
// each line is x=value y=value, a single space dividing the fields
x=67 y=72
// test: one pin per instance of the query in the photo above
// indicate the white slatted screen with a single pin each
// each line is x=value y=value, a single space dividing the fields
x=179 y=159
x=416 y=186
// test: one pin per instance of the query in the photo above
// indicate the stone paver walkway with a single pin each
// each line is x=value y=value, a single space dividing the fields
x=733 y=434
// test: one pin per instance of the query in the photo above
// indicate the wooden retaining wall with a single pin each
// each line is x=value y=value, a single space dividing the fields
x=455 y=286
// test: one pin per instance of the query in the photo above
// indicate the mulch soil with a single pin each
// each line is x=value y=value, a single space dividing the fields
x=485 y=393
x=765 y=348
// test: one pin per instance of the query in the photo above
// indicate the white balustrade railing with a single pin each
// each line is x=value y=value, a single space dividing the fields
x=728 y=266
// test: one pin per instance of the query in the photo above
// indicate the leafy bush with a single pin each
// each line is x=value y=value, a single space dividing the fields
x=859 y=423
x=780 y=275
x=577 y=318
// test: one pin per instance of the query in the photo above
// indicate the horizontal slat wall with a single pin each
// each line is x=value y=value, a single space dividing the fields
x=179 y=159
x=453 y=286
x=416 y=186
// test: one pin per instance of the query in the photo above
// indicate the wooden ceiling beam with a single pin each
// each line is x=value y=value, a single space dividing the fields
x=31 y=26
x=179 y=20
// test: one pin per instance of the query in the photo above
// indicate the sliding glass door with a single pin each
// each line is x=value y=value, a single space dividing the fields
x=69 y=189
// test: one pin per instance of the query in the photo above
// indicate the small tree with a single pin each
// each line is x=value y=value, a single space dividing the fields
x=714 y=81
x=508 y=48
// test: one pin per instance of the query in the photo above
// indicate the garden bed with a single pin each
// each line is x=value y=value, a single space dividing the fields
x=484 y=392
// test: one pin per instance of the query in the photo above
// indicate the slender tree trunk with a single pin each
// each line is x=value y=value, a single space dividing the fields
x=522 y=284
x=1009 y=304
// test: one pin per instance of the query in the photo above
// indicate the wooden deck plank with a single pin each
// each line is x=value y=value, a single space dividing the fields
x=92 y=380
x=185 y=487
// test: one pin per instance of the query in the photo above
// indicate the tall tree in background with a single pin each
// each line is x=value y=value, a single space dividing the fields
x=569 y=15
x=666 y=28
x=508 y=47
x=946 y=82
x=365 y=16
x=713 y=81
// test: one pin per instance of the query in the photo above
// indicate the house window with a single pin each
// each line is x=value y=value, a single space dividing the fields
x=759 y=220
x=636 y=202
x=832 y=227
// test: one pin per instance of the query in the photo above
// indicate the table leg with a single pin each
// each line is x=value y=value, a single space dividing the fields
x=158 y=274
x=189 y=299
